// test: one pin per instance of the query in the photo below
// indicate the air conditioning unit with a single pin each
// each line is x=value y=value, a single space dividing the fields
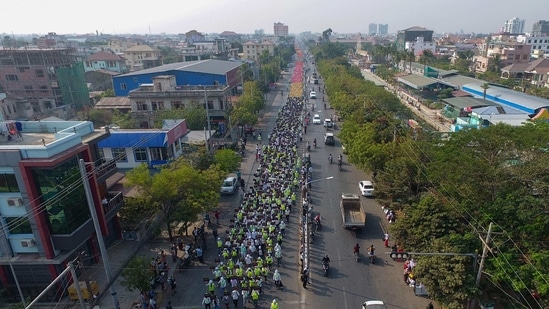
x=27 y=243
x=15 y=201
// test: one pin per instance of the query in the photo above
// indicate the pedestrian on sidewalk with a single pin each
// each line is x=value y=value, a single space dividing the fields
x=200 y=255
x=216 y=213
x=386 y=240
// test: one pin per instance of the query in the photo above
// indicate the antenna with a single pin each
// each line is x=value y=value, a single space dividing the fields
x=150 y=29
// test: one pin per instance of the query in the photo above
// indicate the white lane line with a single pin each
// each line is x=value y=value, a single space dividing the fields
x=345 y=298
x=339 y=257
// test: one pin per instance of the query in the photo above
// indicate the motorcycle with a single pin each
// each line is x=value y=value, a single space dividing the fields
x=330 y=159
x=339 y=164
x=326 y=267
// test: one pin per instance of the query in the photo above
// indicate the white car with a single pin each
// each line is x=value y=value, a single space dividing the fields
x=229 y=185
x=312 y=95
x=366 y=188
x=328 y=123
x=316 y=119
x=373 y=304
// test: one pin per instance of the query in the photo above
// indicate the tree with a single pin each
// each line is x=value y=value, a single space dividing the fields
x=484 y=87
x=194 y=113
x=137 y=275
x=227 y=160
x=326 y=34
x=123 y=120
x=109 y=93
x=178 y=186
x=445 y=93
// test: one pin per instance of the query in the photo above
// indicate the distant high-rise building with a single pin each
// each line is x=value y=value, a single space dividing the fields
x=514 y=25
x=372 y=29
x=280 y=29
x=540 y=27
x=382 y=29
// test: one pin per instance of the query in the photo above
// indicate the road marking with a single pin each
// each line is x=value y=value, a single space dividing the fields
x=345 y=297
x=339 y=257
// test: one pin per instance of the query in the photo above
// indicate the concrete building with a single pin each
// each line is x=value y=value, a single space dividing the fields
x=52 y=80
x=280 y=29
x=43 y=205
x=419 y=45
x=105 y=61
x=14 y=108
x=194 y=36
x=200 y=50
x=514 y=25
x=539 y=43
x=252 y=50
x=140 y=57
x=382 y=29
x=372 y=29
x=164 y=94
x=540 y=28
x=205 y=72
x=509 y=52
x=411 y=35
x=156 y=147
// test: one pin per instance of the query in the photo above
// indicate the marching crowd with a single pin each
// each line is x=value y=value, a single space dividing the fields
x=251 y=250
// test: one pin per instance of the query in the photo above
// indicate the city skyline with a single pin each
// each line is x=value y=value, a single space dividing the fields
x=208 y=16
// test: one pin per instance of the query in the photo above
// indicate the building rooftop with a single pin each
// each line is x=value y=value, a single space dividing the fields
x=524 y=102
x=113 y=103
x=105 y=56
x=209 y=66
x=141 y=48
x=45 y=139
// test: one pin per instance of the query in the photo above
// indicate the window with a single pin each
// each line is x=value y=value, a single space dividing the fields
x=177 y=104
x=123 y=86
x=12 y=77
x=64 y=212
x=119 y=154
x=140 y=154
x=8 y=183
x=28 y=89
x=210 y=105
x=18 y=225
x=157 y=106
x=158 y=154
x=44 y=88
x=141 y=106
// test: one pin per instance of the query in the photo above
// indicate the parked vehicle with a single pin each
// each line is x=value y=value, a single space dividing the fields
x=229 y=185
x=366 y=188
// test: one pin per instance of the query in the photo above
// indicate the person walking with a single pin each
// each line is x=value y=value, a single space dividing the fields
x=386 y=240
x=305 y=277
x=274 y=304
x=207 y=301
x=216 y=215
x=235 y=296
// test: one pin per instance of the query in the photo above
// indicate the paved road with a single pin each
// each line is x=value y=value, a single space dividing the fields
x=349 y=283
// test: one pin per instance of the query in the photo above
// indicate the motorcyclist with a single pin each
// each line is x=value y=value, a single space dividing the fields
x=339 y=158
x=325 y=260
x=330 y=158
x=317 y=220
x=314 y=142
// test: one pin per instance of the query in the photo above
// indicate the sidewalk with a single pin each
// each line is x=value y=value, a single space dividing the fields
x=190 y=285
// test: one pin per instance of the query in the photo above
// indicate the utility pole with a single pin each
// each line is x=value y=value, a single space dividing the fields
x=208 y=117
x=485 y=249
x=98 y=233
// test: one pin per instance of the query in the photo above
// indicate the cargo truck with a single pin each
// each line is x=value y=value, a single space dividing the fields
x=352 y=212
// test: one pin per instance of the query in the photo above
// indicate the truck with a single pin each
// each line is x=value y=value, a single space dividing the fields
x=352 y=212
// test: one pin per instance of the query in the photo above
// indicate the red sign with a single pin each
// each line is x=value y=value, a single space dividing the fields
x=177 y=132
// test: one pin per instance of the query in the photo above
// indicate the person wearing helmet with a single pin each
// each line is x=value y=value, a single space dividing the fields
x=326 y=259
x=274 y=304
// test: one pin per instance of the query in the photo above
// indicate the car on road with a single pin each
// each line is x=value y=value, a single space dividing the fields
x=366 y=188
x=374 y=304
x=328 y=123
x=329 y=139
x=229 y=185
x=316 y=119
x=312 y=95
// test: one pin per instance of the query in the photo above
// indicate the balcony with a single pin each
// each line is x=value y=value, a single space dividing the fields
x=105 y=170
x=115 y=201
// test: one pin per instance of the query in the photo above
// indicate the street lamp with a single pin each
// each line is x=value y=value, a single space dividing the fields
x=320 y=179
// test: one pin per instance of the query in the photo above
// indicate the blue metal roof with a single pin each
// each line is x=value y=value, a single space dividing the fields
x=135 y=139
x=524 y=102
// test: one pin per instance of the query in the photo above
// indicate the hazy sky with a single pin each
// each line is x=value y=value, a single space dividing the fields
x=245 y=16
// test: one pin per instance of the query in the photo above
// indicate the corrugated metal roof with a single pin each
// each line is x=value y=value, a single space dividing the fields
x=463 y=102
x=113 y=103
x=417 y=81
x=503 y=96
x=209 y=66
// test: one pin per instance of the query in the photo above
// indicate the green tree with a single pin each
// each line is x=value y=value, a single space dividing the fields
x=227 y=160
x=123 y=120
x=445 y=93
x=109 y=93
x=137 y=275
x=178 y=186
x=484 y=87
x=194 y=113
